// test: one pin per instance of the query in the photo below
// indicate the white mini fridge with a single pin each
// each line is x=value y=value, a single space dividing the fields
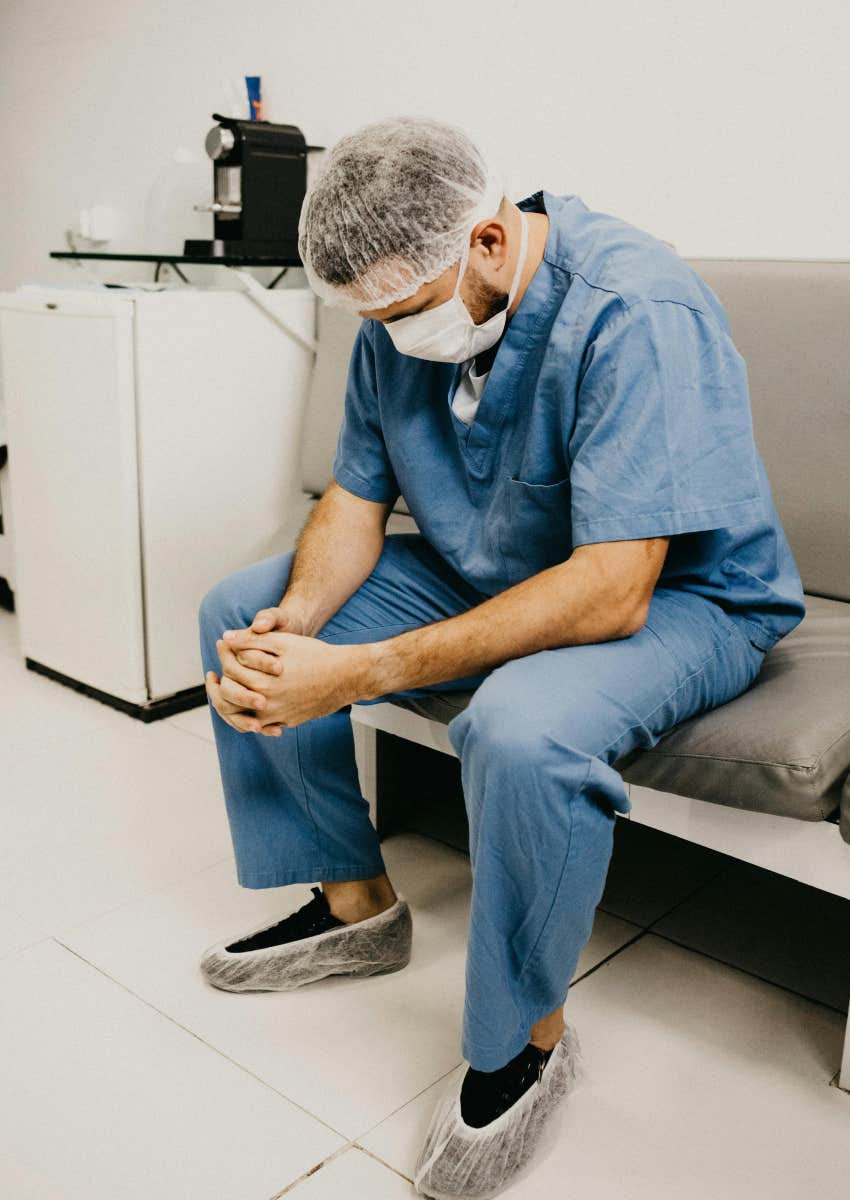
x=153 y=448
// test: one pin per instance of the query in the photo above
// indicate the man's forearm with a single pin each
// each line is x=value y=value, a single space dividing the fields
x=335 y=552
x=569 y=604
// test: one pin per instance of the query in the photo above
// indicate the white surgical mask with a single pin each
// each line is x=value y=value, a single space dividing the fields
x=447 y=333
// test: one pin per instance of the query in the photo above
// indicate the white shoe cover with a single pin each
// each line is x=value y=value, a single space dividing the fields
x=460 y=1160
x=378 y=945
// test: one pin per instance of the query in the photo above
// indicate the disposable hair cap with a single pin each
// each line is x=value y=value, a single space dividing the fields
x=393 y=207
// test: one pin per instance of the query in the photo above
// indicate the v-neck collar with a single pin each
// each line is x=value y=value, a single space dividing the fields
x=506 y=371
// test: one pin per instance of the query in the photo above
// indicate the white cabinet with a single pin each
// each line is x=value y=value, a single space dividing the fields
x=153 y=448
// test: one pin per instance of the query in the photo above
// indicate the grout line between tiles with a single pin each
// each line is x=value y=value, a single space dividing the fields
x=650 y=928
x=743 y=970
x=687 y=898
x=26 y=946
x=365 y=1132
x=147 y=895
x=383 y=1163
x=312 y=1170
x=644 y=929
x=682 y=899
x=336 y=1154
x=165 y=725
x=197 y=1036
x=831 y=1082
x=703 y=954
x=619 y=950
x=208 y=741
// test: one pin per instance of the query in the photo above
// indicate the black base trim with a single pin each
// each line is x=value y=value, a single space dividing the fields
x=154 y=710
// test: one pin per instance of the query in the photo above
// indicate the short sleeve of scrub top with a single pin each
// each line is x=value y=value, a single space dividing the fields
x=362 y=464
x=662 y=442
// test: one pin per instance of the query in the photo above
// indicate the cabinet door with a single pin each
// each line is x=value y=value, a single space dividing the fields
x=221 y=390
x=67 y=378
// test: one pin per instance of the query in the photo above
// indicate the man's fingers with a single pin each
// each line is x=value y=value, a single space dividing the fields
x=254 y=681
x=246 y=639
x=235 y=693
x=268 y=618
x=241 y=721
x=260 y=660
x=244 y=723
x=213 y=685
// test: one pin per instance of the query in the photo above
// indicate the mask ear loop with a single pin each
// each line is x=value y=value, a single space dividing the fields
x=523 y=250
x=464 y=259
x=488 y=208
x=520 y=262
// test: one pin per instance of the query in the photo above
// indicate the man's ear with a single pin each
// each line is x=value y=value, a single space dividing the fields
x=490 y=237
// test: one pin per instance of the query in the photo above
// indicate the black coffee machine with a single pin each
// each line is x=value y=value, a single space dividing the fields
x=259 y=184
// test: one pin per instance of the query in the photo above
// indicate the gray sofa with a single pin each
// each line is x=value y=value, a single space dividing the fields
x=766 y=777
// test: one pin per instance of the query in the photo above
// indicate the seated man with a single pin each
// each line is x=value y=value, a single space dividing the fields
x=556 y=395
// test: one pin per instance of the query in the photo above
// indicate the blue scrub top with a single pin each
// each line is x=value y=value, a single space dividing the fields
x=616 y=407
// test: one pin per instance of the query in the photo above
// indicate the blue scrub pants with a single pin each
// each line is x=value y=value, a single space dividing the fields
x=536 y=746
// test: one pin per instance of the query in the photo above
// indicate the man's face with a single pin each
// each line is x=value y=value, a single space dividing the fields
x=481 y=288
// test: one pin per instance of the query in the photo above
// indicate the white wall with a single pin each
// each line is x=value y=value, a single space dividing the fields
x=719 y=126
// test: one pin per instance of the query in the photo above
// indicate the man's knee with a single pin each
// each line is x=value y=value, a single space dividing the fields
x=501 y=718
x=236 y=598
x=518 y=714
x=219 y=603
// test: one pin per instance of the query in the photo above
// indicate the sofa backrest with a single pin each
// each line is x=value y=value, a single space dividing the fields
x=791 y=322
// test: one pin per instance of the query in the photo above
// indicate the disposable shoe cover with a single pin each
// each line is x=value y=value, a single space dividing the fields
x=458 y=1160
x=377 y=945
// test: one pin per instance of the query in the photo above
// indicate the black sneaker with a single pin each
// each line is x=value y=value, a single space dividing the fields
x=312 y=918
x=485 y=1095
x=310 y=944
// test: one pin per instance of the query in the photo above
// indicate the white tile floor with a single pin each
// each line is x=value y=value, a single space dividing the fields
x=125 y=1076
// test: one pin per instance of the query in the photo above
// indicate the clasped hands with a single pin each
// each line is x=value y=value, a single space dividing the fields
x=275 y=675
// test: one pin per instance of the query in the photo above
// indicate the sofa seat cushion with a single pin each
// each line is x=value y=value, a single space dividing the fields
x=781 y=747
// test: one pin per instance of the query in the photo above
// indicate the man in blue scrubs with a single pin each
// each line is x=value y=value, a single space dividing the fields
x=556 y=395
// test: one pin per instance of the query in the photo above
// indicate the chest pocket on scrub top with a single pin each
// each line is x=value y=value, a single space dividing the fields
x=538 y=533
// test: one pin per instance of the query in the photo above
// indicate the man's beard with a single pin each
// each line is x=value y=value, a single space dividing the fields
x=485 y=299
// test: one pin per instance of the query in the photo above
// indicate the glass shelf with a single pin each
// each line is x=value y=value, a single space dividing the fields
x=214 y=260
x=210 y=260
